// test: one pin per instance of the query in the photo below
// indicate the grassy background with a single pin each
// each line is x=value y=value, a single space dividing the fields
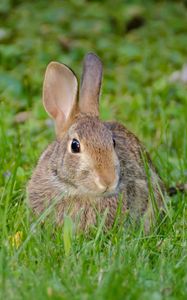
x=38 y=262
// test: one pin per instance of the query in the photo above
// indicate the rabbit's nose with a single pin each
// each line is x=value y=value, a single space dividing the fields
x=106 y=184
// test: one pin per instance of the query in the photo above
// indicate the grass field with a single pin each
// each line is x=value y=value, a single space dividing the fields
x=38 y=261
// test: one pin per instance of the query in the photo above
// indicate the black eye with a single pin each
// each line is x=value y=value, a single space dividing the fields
x=75 y=146
x=114 y=143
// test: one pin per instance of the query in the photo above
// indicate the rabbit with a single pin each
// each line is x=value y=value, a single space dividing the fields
x=92 y=164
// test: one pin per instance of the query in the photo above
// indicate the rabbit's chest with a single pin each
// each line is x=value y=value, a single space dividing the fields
x=86 y=212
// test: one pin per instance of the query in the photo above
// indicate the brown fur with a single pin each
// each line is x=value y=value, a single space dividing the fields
x=77 y=181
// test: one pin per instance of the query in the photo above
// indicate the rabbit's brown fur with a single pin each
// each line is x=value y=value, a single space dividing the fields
x=88 y=183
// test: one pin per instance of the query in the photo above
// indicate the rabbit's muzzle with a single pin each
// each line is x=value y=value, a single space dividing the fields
x=107 y=180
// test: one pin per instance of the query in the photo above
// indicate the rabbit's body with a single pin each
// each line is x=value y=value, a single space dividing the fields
x=92 y=164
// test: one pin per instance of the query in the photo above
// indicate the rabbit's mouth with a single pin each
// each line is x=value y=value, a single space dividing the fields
x=83 y=191
x=111 y=191
x=93 y=189
x=106 y=191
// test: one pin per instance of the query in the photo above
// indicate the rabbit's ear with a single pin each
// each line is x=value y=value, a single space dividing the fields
x=91 y=85
x=59 y=94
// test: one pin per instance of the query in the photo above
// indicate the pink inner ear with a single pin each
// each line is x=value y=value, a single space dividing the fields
x=59 y=92
x=66 y=103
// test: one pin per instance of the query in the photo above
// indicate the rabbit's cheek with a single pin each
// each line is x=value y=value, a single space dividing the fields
x=69 y=169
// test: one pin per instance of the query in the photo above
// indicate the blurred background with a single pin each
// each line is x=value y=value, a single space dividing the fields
x=142 y=45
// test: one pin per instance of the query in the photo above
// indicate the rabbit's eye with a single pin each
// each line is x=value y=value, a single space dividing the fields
x=75 y=146
x=114 y=143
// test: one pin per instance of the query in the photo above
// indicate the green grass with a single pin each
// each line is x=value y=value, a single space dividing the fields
x=49 y=263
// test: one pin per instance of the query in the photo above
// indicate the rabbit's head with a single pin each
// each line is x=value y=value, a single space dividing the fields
x=86 y=162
